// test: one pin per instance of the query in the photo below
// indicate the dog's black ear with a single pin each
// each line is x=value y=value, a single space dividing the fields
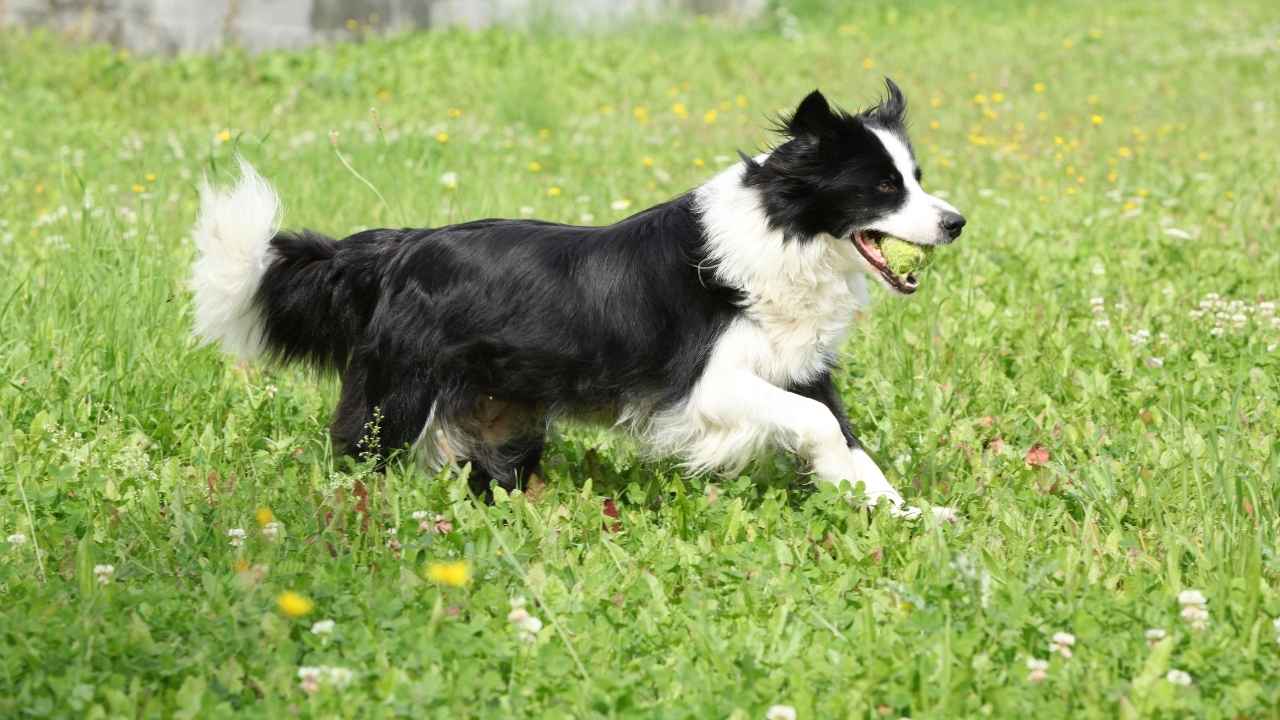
x=813 y=117
x=893 y=109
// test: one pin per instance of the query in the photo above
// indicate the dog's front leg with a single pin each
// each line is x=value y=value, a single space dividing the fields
x=752 y=405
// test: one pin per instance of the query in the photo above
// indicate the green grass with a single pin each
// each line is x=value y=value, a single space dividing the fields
x=1141 y=172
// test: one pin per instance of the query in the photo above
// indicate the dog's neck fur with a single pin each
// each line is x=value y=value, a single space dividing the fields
x=801 y=294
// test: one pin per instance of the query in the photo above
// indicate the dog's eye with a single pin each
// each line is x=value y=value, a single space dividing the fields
x=887 y=186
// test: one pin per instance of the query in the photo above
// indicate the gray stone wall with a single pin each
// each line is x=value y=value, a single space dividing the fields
x=201 y=25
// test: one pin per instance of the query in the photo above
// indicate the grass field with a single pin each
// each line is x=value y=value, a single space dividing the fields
x=1090 y=376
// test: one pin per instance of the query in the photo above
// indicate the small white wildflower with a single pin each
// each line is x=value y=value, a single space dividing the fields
x=420 y=515
x=1196 y=616
x=1039 y=670
x=1062 y=643
x=1102 y=323
x=1196 y=314
x=309 y=679
x=526 y=211
x=1155 y=362
x=780 y=712
x=586 y=218
x=527 y=625
x=237 y=536
x=1216 y=331
x=1099 y=269
x=1177 y=233
x=1097 y=301
x=1191 y=597
x=1140 y=337
x=323 y=627
x=313 y=678
x=271 y=530
x=1266 y=308
x=1155 y=635
x=449 y=180
x=17 y=539
x=622 y=204
x=1178 y=677
x=104 y=573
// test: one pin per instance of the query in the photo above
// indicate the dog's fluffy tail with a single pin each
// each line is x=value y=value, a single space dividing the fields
x=259 y=291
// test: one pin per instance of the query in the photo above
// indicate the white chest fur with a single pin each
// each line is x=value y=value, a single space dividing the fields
x=801 y=296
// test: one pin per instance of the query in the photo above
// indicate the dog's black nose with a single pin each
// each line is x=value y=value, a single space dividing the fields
x=953 y=223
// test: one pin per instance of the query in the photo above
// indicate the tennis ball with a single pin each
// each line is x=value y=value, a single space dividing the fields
x=904 y=258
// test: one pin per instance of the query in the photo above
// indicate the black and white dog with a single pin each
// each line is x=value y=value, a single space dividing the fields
x=707 y=326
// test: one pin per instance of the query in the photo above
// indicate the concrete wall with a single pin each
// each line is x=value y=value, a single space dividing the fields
x=200 y=25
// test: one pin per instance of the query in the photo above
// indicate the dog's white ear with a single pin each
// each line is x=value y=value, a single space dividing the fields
x=813 y=117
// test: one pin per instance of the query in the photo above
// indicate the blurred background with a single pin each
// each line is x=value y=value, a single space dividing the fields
x=196 y=25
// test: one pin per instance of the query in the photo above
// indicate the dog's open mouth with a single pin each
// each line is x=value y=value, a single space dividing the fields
x=868 y=243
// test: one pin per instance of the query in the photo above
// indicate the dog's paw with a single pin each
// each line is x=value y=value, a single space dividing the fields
x=945 y=514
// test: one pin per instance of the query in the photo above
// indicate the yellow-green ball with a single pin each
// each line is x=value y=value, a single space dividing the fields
x=904 y=258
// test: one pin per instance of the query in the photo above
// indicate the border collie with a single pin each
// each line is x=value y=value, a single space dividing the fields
x=707 y=325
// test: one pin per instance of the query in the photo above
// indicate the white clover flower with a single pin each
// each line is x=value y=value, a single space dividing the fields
x=1196 y=616
x=525 y=624
x=526 y=211
x=1102 y=323
x=1140 y=337
x=1039 y=670
x=104 y=573
x=1155 y=363
x=586 y=217
x=1061 y=643
x=323 y=627
x=237 y=536
x=1155 y=635
x=311 y=679
x=621 y=204
x=1178 y=677
x=780 y=712
x=449 y=180
x=1191 y=597
x=1097 y=301
x=420 y=515
x=17 y=539
x=1177 y=233
x=271 y=530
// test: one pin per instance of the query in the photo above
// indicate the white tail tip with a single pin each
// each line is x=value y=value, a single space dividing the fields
x=232 y=236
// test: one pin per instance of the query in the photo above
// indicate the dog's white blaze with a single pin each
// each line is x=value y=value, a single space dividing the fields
x=802 y=298
x=919 y=220
x=232 y=236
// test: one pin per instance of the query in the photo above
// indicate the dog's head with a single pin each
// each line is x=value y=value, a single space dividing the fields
x=852 y=178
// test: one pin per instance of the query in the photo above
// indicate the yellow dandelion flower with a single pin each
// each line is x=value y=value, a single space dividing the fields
x=223 y=136
x=1203 y=155
x=535 y=166
x=697 y=162
x=240 y=565
x=1080 y=179
x=264 y=516
x=935 y=102
x=741 y=101
x=1068 y=43
x=544 y=133
x=868 y=63
x=1039 y=87
x=454 y=574
x=647 y=162
x=680 y=110
x=1129 y=205
x=979 y=99
x=641 y=114
x=997 y=97
x=384 y=95
x=990 y=114
x=39 y=188
x=1095 y=33
x=1095 y=119
x=1042 y=115
x=1143 y=192
x=294 y=605
x=1124 y=152
x=151 y=177
x=138 y=188
x=553 y=191
x=353 y=24
x=455 y=113
x=1112 y=177
x=442 y=137
x=709 y=117
x=1071 y=190
x=1092 y=99
x=934 y=125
